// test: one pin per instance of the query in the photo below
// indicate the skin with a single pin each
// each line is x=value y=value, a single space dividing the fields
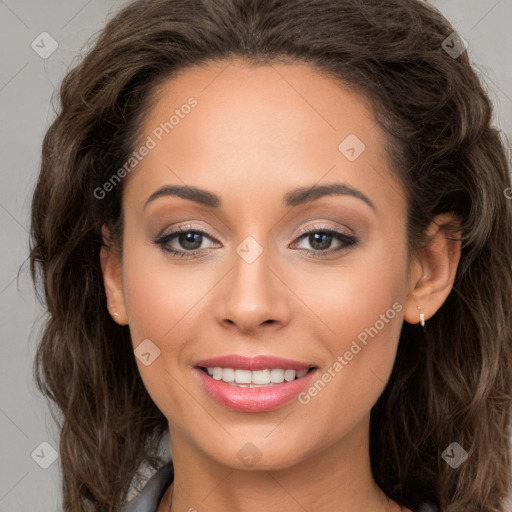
x=257 y=133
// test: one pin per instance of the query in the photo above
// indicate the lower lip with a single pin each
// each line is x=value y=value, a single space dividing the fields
x=254 y=399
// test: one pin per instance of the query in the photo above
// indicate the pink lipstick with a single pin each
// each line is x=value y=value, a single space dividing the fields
x=254 y=384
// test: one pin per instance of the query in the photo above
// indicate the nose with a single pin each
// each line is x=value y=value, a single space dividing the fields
x=253 y=295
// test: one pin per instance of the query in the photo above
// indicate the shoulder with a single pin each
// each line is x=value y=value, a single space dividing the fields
x=149 y=499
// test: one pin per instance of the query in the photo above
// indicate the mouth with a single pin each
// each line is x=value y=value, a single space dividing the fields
x=267 y=377
x=254 y=384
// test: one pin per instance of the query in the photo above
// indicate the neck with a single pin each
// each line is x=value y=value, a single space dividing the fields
x=338 y=477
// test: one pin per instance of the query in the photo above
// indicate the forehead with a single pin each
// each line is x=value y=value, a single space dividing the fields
x=279 y=102
x=254 y=127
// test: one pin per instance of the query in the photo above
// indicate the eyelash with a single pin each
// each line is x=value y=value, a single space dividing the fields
x=347 y=241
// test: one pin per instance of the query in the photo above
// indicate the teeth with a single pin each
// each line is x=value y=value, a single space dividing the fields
x=241 y=376
x=276 y=376
x=289 y=375
x=260 y=377
x=254 y=378
x=228 y=375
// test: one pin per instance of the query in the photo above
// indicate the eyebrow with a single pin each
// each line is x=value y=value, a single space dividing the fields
x=291 y=199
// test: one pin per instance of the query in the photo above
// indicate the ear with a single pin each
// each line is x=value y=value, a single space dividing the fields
x=433 y=269
x=110 y=258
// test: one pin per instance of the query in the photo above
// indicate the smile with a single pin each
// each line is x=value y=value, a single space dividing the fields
x=256 y=378
x=254 y=384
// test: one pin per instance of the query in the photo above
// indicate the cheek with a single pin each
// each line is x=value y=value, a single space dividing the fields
x=363 y=309
x=160 y=299
x=359 y=293
x=160 y=296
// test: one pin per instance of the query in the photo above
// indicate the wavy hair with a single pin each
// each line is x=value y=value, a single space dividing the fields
x=452 y=383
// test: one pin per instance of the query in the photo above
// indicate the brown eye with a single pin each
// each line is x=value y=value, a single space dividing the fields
x=321 y=239
x=186 y=242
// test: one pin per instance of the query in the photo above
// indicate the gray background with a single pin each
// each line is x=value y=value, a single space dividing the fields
x=27 y=83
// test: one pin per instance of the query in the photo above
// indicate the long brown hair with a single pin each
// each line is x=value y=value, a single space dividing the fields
x=450 y=384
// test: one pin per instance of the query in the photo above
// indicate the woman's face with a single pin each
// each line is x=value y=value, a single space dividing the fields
x=247 y=282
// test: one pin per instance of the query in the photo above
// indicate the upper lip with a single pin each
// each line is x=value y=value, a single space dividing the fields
x=254 y=363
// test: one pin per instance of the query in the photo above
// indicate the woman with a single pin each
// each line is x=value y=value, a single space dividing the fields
x=279 y=231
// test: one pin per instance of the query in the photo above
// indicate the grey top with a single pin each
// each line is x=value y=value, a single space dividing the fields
x=149 y=499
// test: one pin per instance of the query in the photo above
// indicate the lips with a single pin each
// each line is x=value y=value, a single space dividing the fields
x=254 y=363
x=254 y=384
